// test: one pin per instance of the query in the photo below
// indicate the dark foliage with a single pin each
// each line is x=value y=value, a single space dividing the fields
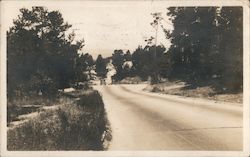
x=146 y=62
x=206 y=49
x=120 y=61
x=40 y=56
x=100 y=66
x=207 y=46
x=83 y=67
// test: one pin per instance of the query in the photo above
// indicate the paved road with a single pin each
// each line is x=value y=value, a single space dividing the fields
x=149 y=121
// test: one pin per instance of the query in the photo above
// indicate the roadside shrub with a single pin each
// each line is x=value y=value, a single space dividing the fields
x=76 y=126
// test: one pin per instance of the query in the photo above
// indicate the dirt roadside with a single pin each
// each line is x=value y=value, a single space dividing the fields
x=182 y=89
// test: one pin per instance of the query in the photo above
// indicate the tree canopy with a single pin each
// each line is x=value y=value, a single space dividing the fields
x=207 y=45
x=101 y=66
x=41 y=55
x=206 y=48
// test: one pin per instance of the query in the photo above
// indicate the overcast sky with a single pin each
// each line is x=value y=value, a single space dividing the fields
x=104 y=25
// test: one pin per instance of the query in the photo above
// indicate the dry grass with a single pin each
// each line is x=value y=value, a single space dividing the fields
x=76 y=126
x=25 y=105
x=207 y=92
x=130 y=80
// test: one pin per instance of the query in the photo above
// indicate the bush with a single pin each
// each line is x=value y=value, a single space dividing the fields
x=77 y=126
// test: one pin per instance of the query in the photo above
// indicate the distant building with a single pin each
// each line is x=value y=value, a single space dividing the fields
x=111 y=72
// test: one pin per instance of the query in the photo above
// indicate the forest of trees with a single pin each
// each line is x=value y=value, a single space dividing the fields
x=118 y=60
x=207 y=44
x=41 y=56
x=140 y=63
x=206 y=49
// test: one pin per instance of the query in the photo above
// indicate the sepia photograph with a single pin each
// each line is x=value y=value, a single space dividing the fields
x=125 y=78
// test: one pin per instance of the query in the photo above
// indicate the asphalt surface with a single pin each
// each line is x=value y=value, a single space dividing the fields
x=148 y=121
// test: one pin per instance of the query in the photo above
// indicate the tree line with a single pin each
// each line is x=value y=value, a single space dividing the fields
x=207 y=45
x=206 y=49
x=41 y=55
x=140 y=63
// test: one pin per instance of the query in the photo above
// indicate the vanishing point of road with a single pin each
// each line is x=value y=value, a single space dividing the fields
x=148 y=121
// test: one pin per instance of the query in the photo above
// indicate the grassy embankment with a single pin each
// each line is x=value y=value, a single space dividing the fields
x=78 y=123
x=130 y=80
x=199 y=91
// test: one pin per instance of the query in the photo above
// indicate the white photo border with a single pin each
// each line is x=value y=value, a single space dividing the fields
x=67 y=3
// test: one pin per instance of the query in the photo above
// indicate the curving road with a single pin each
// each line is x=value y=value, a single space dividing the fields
x=149 y=121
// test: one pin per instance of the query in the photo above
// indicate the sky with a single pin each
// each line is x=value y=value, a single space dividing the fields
x=104 y=25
